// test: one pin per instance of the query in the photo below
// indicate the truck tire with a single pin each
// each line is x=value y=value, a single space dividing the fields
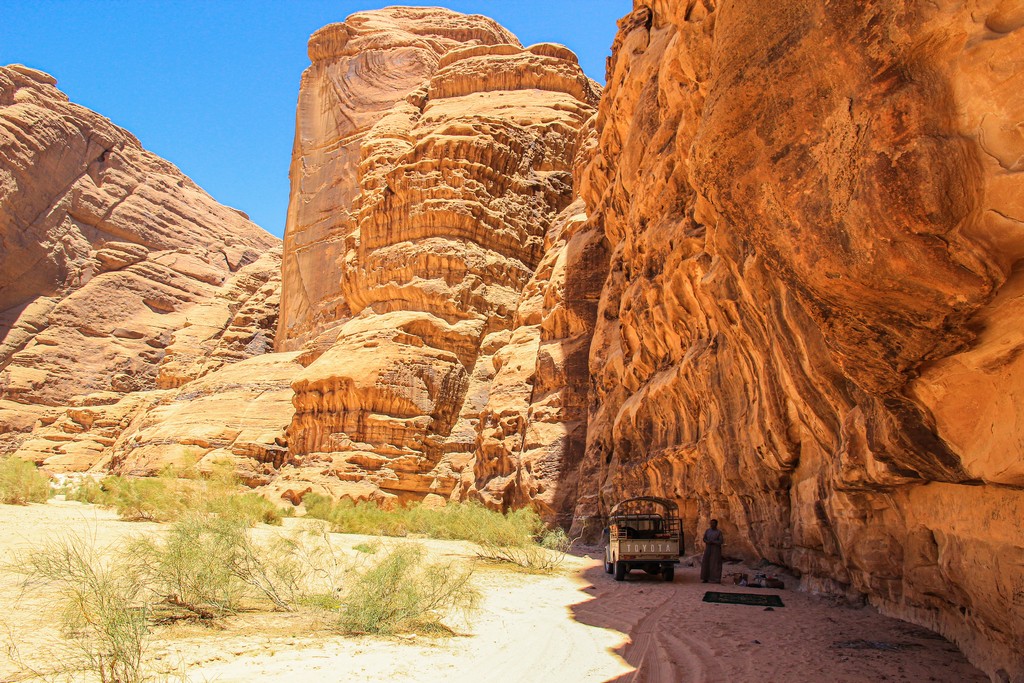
x=609 y=567
x=669 y=572
x=620 y=571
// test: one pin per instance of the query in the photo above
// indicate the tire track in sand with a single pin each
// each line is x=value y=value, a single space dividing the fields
x=663 y=651
x=645 y=651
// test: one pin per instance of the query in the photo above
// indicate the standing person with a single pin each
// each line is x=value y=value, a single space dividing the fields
x=711 y=563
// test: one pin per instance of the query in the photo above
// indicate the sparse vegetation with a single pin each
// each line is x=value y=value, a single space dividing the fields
x=21 y=482
x=544 y=555
x=103 y=611
x=518 y=537
x=466 y=521
x=369 y=548
x=190 y=572
x=170 y=496
x=207 y=566
x=404 y=594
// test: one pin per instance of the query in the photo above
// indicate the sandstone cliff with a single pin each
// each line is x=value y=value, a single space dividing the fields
x=810 y=323
x=433 y=156
x=775 y=278
x=119 y=277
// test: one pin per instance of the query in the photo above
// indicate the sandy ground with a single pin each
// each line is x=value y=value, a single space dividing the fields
x=575 y=625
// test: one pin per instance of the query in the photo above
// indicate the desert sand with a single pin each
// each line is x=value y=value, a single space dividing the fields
x=577 y=624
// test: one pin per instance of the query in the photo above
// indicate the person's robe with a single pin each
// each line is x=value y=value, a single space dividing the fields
x=711 y=563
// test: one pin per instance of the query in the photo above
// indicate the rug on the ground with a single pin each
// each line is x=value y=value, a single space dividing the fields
x=758 y=599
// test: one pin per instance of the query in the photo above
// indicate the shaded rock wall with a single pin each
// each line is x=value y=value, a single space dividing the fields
x=808 y=329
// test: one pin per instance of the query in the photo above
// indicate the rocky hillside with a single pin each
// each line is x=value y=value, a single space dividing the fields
x=120 y=279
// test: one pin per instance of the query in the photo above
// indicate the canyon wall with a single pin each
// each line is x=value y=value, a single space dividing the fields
x=810 y=324
x=772 y=276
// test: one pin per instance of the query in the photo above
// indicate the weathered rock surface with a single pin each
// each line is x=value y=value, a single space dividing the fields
x=363 y=71
x=776 y=278
x=809 y=328
x=118 y=276
x=433 y=154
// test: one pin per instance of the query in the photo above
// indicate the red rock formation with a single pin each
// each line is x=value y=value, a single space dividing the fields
x=427 y=172
x=775 y=279
x=118 y=275
x=362 y=71
x=808 y=326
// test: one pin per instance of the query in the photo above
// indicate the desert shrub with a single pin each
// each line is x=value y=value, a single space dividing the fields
x=103 y=611
x=88 y=491
x=517 y=537
x=545 y=555
x=368 y=548
x=465 y=521
x=250 y=508
x=403 y=593
x=208 y=566
x=168 y=497
x=150 y=499
x=191 y=569
x=21 y=483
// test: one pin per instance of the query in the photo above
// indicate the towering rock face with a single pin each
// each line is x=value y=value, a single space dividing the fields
x=432 y=156
x=810 y=323
x=361 y=70
x=118 y=277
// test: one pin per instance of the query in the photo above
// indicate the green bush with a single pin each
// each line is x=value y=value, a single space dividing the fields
x=404 y=594
x=464 y=521
x=191 y=569
x=103 y=611
x=21 y=483
x=167 y=498
x=250 y=508
x=518 y=537
x=546 y=555
x=368 y=548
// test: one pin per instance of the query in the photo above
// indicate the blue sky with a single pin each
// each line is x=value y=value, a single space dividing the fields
x=212 y=85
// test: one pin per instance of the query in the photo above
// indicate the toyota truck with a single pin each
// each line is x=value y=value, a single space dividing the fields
x=643 y=533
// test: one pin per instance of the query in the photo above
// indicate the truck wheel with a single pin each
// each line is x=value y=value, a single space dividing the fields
x=669 y=573
x=620 y=571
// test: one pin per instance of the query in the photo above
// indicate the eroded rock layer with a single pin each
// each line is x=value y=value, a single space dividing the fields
x=810 y=324
x=118 y=276
x=432 y=157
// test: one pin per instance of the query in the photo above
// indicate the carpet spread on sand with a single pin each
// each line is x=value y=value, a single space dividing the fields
x=744 y=599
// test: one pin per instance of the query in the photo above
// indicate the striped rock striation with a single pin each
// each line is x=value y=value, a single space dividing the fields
x=810 y=326
x=118 y=277
x=433 y=156
x=774 y=276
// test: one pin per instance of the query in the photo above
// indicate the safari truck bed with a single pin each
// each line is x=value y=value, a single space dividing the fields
x=643 y=533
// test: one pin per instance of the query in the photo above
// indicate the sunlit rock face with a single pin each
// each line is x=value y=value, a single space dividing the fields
x=432 y=156
x=118 y=275
x=361 y=71
x=810 y=326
